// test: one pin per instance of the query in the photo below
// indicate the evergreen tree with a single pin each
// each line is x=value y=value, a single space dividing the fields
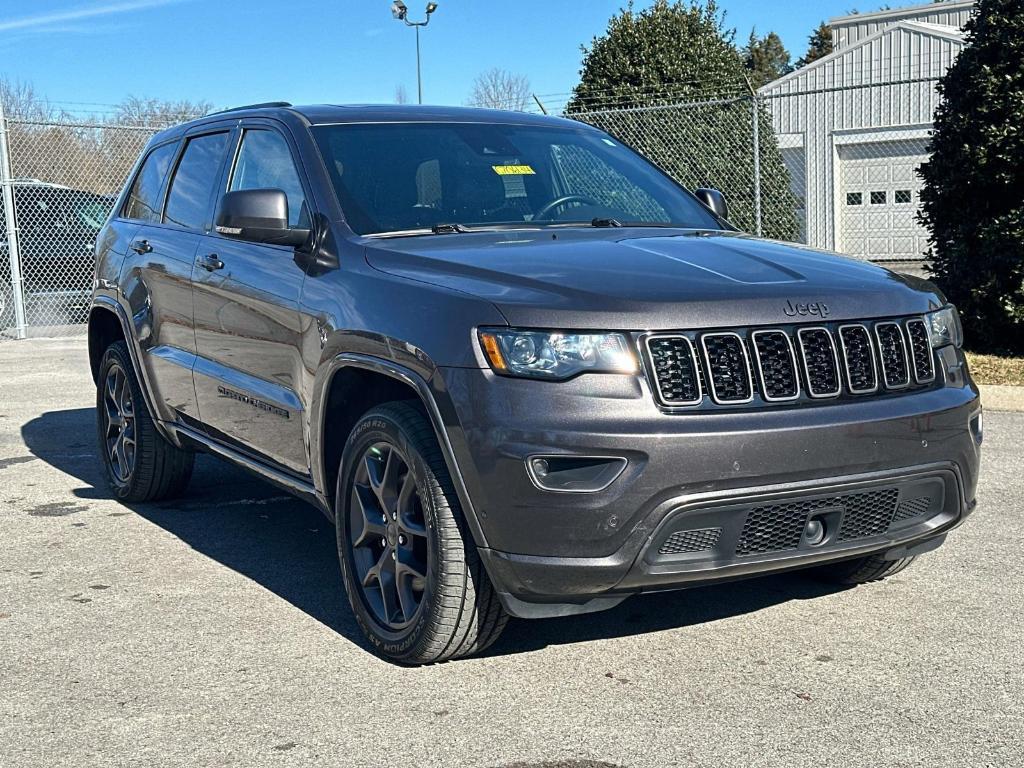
x=973 y=195
x=678 y=58
x=819 y=45
x=766 y=59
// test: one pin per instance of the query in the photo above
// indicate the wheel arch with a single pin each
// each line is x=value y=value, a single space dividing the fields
x=350 y=385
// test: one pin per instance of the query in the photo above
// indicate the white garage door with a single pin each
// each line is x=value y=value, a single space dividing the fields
x=879 y=197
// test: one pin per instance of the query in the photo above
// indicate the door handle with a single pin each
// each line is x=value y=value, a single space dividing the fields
x=210 y=262
x=141 y=246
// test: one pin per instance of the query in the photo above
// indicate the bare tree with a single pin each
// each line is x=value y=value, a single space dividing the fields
x=401 y=96
x=500 y=89
x=21 y=101
x=158 y=113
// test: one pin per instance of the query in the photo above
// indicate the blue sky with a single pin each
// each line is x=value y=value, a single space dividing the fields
x=238 y=51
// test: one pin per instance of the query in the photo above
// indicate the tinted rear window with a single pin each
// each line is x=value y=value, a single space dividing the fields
x=143 y=201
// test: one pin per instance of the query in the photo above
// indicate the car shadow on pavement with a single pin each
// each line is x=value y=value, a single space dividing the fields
x=288 y=548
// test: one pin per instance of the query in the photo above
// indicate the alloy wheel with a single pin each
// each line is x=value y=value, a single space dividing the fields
x=119 y=410
x=388 y=535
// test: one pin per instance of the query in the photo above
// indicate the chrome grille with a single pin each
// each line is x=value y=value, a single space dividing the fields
x=728 y=368
x=676 y=372
x=820 y=362
x=892 y=350
x=790 y=364
x=858 y=359
x=776 y=364
x=921 y=351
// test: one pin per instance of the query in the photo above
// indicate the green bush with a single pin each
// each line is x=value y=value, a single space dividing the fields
x=973 y=195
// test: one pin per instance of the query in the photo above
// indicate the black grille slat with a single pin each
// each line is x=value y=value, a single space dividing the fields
x=858 y=359
x=682 y=542
x=892 y=350
x=676 y=373
x=921 y=351
x=776 y=363
x=821 y=363
x=728 y=368
x=780 y=527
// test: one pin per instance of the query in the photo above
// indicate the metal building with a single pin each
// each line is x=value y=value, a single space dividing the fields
x=853 y=128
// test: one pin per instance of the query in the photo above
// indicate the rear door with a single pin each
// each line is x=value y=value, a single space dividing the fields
x=249 y=364
x=162 y=254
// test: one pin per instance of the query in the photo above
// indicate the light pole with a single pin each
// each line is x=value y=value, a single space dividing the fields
x=400 y=12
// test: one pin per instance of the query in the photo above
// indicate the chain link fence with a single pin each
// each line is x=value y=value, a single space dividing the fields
x=59 y=181
x=835 y=168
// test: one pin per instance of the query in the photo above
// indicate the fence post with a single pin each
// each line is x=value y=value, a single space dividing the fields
x=11 y=221
x=756 y=111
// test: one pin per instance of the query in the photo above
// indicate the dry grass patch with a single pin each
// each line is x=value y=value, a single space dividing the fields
x=991 y=369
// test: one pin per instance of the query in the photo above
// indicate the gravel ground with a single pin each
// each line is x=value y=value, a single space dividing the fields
x=212 y=631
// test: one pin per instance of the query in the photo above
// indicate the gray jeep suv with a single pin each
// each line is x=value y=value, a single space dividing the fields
x=522 y=370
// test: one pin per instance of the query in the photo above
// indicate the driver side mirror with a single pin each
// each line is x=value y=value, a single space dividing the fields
x=258 y=216
x=714 y=200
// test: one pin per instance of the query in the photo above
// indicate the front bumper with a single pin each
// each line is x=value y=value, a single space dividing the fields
x=551 y=553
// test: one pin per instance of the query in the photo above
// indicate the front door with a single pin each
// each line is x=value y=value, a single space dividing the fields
x=246 y=304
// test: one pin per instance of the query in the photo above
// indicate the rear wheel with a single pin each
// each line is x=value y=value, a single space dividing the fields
x=411 y=570
x=140 y=464
x=861 y=570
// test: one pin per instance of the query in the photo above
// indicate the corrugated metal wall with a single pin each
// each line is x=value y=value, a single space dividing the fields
x=849 y=30
x=884 y=83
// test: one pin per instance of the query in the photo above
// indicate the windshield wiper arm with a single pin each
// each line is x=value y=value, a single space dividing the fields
x=605 y=223
x=448 y=229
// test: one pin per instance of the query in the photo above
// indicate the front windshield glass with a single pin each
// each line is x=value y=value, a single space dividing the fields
x=396 y=177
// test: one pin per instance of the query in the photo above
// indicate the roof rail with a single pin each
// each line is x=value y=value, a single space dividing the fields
x=262 y=105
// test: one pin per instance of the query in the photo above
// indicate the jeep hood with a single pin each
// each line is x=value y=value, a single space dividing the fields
x=647 y=279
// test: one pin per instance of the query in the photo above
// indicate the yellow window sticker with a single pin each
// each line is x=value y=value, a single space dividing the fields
x=514 y=170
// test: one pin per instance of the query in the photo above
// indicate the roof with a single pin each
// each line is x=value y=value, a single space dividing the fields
x=896 y=13
x=326 y=114
x=920 y=27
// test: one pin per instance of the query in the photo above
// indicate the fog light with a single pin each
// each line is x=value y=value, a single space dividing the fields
x=814 y=532
x=540 y=468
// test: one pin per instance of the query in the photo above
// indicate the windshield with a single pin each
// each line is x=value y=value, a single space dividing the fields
x=399 y=177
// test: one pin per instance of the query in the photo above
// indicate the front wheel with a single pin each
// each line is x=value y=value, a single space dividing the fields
x=862 y=570
x=411 y=570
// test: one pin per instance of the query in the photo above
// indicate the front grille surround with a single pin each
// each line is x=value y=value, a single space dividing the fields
x=671 y=374
x=921 y=355
x=858 y=358
x=718 y=379
x=895 y=375
x=820 y=369
x=791 y=371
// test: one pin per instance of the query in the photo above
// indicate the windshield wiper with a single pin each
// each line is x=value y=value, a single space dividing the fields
x=448 y=229
x=605 y=223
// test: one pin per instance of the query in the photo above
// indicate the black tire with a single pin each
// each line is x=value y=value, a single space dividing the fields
x=443 y=605
x=147 y=467
x=862 y=570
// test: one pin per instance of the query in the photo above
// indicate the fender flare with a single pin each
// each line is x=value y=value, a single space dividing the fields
x=426 y=396
x=109 y=304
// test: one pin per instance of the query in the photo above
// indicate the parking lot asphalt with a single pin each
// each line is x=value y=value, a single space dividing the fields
x=213 y=631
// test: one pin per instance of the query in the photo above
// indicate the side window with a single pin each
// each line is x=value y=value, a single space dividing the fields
x=265 y=162
x=143 y=203
x=188 y=202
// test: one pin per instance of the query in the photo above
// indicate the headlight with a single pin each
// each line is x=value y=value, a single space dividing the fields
x=944 y=326
x=556 y=355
